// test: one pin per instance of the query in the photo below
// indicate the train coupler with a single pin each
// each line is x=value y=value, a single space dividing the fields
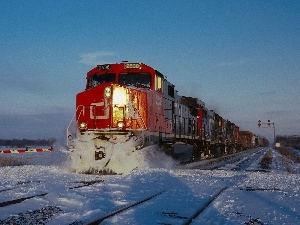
x=99 y=155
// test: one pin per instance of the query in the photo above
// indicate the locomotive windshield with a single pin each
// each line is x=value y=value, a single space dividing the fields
x=98 y=79
x=141 y=80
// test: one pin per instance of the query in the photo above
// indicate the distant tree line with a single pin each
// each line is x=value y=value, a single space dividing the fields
x=289 y=141
x=21 y=143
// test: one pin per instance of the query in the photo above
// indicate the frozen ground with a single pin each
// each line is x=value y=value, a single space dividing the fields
x=252 y=196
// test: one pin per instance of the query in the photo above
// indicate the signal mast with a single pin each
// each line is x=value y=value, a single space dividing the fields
x=268 y=124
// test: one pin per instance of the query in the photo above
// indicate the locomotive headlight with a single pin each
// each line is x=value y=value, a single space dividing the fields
x=107 y=92
x=82 y=126
x=119 y=97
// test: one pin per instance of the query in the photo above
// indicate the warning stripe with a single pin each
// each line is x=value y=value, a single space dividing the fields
x=26 y=150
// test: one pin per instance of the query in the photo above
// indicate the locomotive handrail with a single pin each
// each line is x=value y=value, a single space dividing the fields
x=74 y=116
x=68 y=133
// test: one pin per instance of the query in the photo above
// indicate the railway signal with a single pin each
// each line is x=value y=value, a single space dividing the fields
x=268 y=124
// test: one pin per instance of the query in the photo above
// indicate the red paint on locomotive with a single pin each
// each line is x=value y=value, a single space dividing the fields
x=122 y=97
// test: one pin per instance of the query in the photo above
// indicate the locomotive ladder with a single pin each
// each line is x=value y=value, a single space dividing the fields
x=140 y=118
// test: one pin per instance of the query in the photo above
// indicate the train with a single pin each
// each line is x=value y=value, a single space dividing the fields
x=134 y=103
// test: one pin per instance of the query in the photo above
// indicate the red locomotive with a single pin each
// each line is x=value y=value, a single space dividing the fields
x=133 y=102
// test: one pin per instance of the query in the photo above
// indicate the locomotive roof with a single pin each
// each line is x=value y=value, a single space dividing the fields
x=124 y=65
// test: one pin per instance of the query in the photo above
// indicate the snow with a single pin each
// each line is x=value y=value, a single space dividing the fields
x=252 y=195
x=121 y=158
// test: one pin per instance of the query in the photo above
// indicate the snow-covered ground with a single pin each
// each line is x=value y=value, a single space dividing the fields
x=250 y=196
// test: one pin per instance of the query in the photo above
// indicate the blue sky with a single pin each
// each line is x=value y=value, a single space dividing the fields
x=242 y=58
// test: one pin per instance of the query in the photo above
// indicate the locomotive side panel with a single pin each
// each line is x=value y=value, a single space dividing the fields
x=169 y=109
x=177 y=117
x=93 y=107
x=200 y=132
x=156 y=121
x=211 y=126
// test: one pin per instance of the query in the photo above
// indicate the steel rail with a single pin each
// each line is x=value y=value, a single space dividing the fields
x=19 y=200
x=20 y=184
x=248 y=161
x=102 y=218
x=86 y=183
x=202 y=208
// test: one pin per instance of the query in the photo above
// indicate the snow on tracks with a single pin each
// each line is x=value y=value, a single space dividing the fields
x=269 y=198
x=110 y=214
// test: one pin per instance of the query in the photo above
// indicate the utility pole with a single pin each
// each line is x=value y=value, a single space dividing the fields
x=268 y=124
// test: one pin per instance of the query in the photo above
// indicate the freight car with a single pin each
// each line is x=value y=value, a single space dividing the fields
x=134 y=103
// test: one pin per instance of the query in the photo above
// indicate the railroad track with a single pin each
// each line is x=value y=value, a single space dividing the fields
x=19 y=200
x=18 y=185
x=247 y=161
x=241 y=163
x=238 y=162
x=85 y=183
x=79 y=184
x=34 y=216
x=30 y=183
x=203 y=207
x=189 y=220
x=169 y=213
x=112 y=213
x=21 y=184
